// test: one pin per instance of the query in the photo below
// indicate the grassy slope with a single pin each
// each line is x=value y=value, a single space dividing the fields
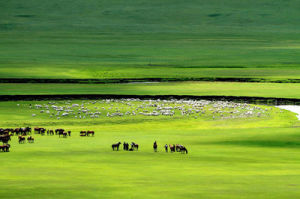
x=170 y=88
x=130 y=39
x=228 y=161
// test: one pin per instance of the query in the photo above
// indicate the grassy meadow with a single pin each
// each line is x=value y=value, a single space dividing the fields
x=228 y=157
x=163 y=39
x=276 y=90
x=241 y=158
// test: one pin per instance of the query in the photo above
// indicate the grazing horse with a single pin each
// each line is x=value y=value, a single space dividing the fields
x=5 y=148
x=172 y=147
x=155 y=146
x=62 y=133
x=30 y=139
x=39 y=130
x=183 y=149
x=88 y=133
x=116 y=146
x=65 y=134
x=21 y=139
x=57 y=131
x=82 y=133
x=177 y=147
x=134 y=146
x=5 y=138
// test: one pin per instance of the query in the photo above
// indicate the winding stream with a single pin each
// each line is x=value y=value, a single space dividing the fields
x=293 y=108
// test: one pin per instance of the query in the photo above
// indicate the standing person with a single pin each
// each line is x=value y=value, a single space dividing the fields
x=166 y=147
x=155 y=146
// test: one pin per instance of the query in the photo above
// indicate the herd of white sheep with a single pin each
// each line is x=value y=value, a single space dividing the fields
x=93 y=109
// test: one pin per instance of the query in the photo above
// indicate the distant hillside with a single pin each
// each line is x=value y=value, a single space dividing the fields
x=136 y=39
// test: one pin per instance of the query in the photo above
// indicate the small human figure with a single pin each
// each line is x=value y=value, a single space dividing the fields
x=166 y=148
x=155 y=146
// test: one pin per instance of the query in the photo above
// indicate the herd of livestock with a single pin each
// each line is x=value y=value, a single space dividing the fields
x=135 y=146
x=6 y=134
x=109 y=108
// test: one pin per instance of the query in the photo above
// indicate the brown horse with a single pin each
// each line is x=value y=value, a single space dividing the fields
x=82 y=133
x=5 y=148
x=5 y=138
x=88 y=133
x=134 y=146
x=183 y=149
x=21 y=139
x=57 y=131
x=172 y=147
x=30 y=139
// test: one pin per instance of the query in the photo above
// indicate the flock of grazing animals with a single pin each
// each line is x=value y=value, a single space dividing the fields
x=110 y=108
x=5 y=135
x=134 y=146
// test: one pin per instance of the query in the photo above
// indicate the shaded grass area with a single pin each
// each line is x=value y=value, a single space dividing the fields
x=274 y=90
x=169 y=39
x=220 y=164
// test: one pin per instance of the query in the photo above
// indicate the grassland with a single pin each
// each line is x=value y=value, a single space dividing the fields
x=169 y=39
x=243 y=158
x=275 y=90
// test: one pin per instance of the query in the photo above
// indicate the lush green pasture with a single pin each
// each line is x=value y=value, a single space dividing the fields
x=244 y=158
x=130 y=39
x=279 y=90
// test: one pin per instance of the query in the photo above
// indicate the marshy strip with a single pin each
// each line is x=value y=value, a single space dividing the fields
x=237 y=99
x=143 y=80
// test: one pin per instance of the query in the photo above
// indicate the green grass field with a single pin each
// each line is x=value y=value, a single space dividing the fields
x=169 y=39
x=229 y=157
x=242 y=158
x=276 y=90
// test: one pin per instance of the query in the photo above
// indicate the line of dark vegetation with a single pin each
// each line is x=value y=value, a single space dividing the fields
x=135 y=80
x=238 y=99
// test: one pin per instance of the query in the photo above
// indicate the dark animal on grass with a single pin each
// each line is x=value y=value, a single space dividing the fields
x=39 y=130
x=177 y=147
x=88 y=133
x=63 y=134
x=172 y=147
x=125 y=146
x=5 y=148
x=30 y=139
x=21 y=139
x=5 y=138
x=42 y=131
x=57 y=131
x=134 y=146
x=116 y=146
x=155 y=146
x=82 y=133
x=51 y=132
x=183 y=150
x=131 y=149
x=69 y=133
x=25 y=131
